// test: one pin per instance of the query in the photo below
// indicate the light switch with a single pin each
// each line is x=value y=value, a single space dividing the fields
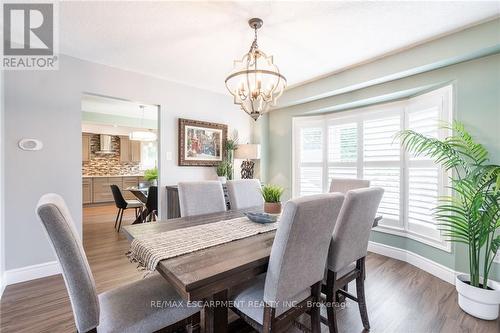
x=169 y=155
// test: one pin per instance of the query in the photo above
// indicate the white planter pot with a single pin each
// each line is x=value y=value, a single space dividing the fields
x=478 y=302
x=222 y=179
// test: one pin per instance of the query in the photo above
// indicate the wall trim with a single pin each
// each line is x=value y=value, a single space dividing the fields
x=425 y=264
x=32 y=272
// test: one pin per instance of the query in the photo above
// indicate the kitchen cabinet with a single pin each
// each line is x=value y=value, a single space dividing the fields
x=102 y=190
x=130 y=150
x=85 y=147
x=124 y=149
x=135 y=151
x=129 y=182
x=98 y=190
x=87 y=190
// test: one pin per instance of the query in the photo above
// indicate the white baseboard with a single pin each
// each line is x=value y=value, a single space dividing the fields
x=31 y=272
x=431 y=267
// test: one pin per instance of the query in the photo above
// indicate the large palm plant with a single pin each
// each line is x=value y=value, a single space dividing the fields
x=471 y=215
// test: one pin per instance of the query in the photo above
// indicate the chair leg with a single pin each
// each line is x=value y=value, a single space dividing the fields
x=360 y=290
x=194 y=324
x=268 y=319
x=330 y=301
x=315 y=310
x=120 y=222
x=117 y=216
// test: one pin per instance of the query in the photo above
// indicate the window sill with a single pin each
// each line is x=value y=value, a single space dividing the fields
x=439 y=244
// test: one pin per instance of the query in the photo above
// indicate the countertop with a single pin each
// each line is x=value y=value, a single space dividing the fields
x=89 y=176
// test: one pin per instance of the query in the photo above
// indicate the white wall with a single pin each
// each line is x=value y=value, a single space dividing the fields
x=46 y=105
x=2 y=159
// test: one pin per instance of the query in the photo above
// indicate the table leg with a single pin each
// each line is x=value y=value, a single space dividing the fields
x=216 y=313
x=142 y=216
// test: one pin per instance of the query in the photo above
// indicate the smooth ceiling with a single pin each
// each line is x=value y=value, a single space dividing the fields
x=195 y=43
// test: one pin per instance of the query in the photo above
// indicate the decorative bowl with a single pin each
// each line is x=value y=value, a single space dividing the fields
x=261 y=217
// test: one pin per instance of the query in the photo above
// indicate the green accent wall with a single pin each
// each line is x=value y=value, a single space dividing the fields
x=476 y=89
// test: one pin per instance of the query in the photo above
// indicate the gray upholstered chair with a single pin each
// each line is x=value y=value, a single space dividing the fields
x=348 y=249
x=244 y=193
x=129 y=308
x=343 y=185
x=204 y=197
x=296 y=266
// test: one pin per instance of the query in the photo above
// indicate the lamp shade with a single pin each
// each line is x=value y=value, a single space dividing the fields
x=247 y=152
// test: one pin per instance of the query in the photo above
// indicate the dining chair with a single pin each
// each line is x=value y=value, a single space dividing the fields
x=244 y=193
x=348 y=249
x=203 y=197
x=152 y=204
x=343 y=185
x=134 y=307
x=123 y=205
x=292 y=283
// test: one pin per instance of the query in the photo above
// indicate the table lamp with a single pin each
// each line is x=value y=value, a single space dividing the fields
x=247 y=152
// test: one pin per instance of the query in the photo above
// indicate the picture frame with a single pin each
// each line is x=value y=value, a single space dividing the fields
x=201 y=143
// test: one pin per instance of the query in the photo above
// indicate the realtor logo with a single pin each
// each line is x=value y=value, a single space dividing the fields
x=29 y=36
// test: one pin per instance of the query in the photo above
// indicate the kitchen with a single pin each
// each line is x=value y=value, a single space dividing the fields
x=118 y=147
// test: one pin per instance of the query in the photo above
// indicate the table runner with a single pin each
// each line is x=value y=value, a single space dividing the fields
x=149 y=250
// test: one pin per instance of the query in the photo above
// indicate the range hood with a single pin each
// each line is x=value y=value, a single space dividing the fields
x=105 y=145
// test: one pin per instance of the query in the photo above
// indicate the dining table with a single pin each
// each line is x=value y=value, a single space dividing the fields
x=141 y=193
x=208 y=275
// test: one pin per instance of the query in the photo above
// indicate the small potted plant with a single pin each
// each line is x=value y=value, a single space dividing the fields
x=272 y=198
x=221 y=171
x=151 y=176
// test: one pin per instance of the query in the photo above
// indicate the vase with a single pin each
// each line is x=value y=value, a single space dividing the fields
x=478 y=302
x=222 y=179
x=272 y=207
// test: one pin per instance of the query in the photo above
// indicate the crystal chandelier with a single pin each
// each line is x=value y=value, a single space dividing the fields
x=255 y=82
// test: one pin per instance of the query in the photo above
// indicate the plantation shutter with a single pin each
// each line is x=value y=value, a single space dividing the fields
x=309 y=154
x=425 y=180
x=363 y=144
x=381 y=163
x=342 y=150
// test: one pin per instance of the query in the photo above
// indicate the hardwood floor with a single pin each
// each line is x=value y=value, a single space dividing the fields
x=400 y=297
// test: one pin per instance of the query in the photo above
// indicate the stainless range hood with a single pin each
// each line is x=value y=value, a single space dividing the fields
x=105 y=145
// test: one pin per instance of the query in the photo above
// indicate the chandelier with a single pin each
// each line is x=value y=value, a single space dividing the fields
x=255 y=81
x=142 y=135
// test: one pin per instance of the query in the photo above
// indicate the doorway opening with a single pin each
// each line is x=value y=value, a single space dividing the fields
x=120 y=156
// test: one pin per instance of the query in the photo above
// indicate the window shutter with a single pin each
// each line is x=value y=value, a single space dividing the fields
x=378 y=139
x=343 y=143
x=381 y=159
x=310 y=158
x=424 y=176
x=311 y=142
x=311 y=180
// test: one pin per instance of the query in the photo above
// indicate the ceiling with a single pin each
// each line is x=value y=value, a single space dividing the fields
x=195 y=43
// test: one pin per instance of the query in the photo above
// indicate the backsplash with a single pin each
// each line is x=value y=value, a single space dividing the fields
x=108 y=164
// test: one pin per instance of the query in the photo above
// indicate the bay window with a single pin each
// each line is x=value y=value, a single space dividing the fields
x=363 y=144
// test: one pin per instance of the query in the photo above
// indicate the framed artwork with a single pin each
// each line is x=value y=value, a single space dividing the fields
x=201 y=143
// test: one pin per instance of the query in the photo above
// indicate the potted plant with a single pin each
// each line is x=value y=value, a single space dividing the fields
x=221 y=171
x=471 y=216
x=151 y=175
x=272 y=198
x=230 y=146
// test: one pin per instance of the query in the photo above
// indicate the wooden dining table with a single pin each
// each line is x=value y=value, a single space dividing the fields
x=208 y=275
